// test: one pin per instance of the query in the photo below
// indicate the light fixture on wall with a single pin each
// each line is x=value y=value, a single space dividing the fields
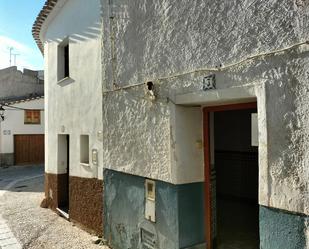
x=150 y=90
x=2 y=112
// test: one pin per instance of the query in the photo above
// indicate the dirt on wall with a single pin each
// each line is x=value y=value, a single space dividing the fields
x=85 y=199
x=86 y=203
x=54 y=184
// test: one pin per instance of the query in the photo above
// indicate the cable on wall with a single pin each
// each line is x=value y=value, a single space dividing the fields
x=216 y=69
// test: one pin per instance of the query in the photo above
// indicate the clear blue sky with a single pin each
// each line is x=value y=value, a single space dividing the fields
x=16 y=20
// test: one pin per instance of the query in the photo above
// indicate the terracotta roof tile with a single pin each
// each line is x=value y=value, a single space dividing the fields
x=36 y=28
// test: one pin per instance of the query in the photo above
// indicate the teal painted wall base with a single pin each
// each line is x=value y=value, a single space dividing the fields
x=282 y=230
x=179 y=212
x=180 y=216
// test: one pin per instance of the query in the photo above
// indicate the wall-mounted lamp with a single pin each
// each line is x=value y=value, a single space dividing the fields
x=2 y=113
x=150 y=90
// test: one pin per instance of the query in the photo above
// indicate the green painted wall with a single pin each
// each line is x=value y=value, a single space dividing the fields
x=179 y=209
x=191 y=214
x=281 y=230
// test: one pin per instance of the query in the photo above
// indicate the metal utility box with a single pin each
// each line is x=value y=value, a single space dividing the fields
x=150 y=200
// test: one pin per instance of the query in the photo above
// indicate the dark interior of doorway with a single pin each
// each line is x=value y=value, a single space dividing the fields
x=63 y=195
x=236 y=166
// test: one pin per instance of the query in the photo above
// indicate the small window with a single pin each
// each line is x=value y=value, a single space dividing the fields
x=66 y=61
x=32 y=117
x=63 y=60
x=84 y=149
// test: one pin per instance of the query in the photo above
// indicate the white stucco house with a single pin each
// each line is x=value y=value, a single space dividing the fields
x=22 y=131
x=22 y=117
x=178 y=124
x=70 y=36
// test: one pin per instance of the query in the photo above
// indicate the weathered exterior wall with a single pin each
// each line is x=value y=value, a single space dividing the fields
x=191 y=214
x=13 y=124
x=14 y=83
x=6 y=159
x=149 y=40
x=279 y=229
x=74 y=105
x=85 y=199
x=86 y=203
x=54 y=190
x=124 y=198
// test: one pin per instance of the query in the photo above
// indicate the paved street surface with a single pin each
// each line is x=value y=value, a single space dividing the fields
x=23 y=224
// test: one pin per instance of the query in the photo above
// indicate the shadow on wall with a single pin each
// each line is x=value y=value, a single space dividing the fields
x=89 y=33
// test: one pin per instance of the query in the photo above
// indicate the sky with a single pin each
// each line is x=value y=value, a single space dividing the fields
x=16 y=20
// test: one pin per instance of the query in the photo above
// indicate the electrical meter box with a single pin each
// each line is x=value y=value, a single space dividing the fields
x=150 y=202
x=95 y=156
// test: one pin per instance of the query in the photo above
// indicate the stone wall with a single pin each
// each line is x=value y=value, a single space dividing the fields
x=14 y=83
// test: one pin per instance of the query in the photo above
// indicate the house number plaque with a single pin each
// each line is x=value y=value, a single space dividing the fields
x=209 y=82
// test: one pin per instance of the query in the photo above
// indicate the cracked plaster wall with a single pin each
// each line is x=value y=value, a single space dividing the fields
x=149 y=39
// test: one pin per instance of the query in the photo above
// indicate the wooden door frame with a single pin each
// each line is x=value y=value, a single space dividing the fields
x=207 y=165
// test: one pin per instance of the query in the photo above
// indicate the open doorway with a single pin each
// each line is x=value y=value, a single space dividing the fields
x=63 y=182
x=231 y=177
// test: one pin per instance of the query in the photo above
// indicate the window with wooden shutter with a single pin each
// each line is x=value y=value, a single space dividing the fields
x=32 y=117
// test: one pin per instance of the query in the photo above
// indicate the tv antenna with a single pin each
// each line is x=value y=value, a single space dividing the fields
x=10 y=49
x=15 y=58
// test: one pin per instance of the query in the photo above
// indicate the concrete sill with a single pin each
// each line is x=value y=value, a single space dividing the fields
x=65 y=81
x=85 y=164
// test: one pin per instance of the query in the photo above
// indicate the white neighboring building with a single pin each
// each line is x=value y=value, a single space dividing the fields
x=22 y=131
x=70 y=36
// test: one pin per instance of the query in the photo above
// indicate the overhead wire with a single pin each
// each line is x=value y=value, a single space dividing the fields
x=215 y=69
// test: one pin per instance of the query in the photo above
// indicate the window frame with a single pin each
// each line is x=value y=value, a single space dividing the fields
x=33 y=120
x=63 y=60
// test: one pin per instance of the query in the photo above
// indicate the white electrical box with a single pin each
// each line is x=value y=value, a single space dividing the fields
x=150 y=200
x=254 y=130
x=94 y=156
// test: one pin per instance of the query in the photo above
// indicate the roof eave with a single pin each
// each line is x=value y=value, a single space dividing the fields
x=42 y=16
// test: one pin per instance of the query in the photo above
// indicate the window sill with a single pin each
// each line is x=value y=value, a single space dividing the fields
x=65 y=81
x=85 y=164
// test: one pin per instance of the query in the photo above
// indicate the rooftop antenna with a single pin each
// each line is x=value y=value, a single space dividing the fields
x=15 y=58
x=10 y=48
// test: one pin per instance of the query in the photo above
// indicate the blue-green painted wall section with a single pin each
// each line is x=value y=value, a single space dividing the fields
x=282 y=230
x=179 y=212
x=191 y=214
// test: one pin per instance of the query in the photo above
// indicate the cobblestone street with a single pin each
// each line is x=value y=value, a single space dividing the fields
x=23 y=224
